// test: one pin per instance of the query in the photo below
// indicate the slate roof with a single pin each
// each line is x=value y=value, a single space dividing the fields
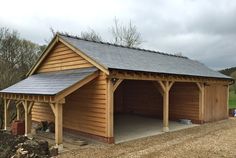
x=125 y=58
x=49 y=83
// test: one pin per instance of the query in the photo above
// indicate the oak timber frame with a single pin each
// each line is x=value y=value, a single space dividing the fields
x=28 y=101
x=163 y=83
x=55 y=101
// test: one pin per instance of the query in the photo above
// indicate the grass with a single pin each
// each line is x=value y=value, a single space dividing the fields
x=232 y=99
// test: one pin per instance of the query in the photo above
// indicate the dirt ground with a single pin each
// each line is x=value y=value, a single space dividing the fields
x=12 y=146
x=209 y=140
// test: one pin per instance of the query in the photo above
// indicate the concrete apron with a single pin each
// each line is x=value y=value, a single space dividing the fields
x=129 y=127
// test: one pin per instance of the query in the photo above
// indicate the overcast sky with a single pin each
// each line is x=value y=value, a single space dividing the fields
x=203 y=30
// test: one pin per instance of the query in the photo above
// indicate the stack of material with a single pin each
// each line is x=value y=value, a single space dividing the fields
x=18 y=127
x=185 y=121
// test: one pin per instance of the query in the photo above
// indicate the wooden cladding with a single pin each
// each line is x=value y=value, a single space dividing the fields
x=84 y=110
x=184 y=102
x=215 y=107
x=62 y=58
x=42 y=112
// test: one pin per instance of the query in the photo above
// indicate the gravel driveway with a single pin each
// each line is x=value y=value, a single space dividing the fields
x=209 y=140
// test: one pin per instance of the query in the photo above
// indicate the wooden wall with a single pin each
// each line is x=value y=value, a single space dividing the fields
x=215 y=102
x=84 y=110
x=138 y=97
x=62 y=58
x=184 y=102
x=42 y=112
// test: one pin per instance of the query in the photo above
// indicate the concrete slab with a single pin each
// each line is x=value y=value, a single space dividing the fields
x=70 y=141
x=130 y=127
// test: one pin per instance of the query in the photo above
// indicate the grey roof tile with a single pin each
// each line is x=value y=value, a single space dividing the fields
x=125 y=58
x=49 y=83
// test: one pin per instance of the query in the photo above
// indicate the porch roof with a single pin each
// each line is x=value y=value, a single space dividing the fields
x=49 y=83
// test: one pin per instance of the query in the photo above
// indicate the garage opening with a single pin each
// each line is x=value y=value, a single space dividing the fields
x=138 y=109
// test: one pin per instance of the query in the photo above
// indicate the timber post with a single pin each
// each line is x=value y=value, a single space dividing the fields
x=28 y=117
x=110 y=110
x=57 y=109
x=112 y=85
x=17 y=113
x=166 y=85
x=201 y=88
x=58 y=125
x=6 y=115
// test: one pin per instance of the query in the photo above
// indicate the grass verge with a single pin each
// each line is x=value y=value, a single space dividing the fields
x=232 y=99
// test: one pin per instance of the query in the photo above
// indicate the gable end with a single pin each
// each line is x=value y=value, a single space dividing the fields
x=60 y=58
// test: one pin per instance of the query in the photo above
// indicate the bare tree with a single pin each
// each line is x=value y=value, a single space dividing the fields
x=126 y=35
x=16 y=58
x=87 y=35
x=91 y=35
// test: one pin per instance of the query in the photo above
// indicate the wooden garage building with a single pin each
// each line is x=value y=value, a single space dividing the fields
x=81 y=84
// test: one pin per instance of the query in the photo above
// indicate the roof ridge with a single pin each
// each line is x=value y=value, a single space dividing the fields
x=122 y=46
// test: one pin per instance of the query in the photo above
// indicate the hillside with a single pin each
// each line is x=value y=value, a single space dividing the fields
x=228 y=71
x=232 y=96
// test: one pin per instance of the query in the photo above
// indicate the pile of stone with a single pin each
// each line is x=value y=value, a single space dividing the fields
x=12 y=146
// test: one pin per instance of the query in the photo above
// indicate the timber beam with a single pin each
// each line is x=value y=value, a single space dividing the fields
x=158 y=87
x=28 y=97
x=132 y=75
x=116 y=83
